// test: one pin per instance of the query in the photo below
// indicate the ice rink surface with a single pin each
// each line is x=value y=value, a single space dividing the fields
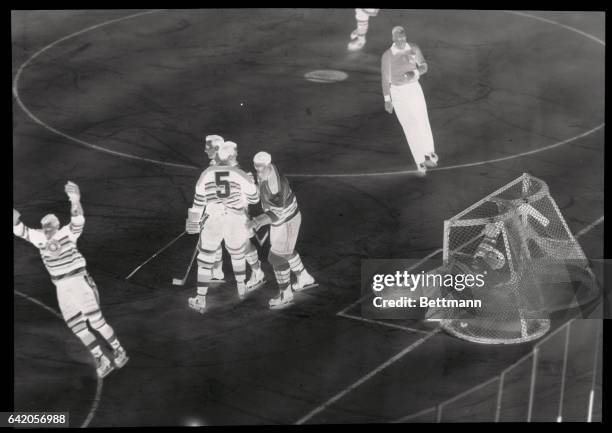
x=122 y=110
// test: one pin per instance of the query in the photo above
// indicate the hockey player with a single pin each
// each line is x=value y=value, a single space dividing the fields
x=213 y=142
x=77 y=294
x=281 y=212
x=257 y=278
x=358 y=36
x=218 y=214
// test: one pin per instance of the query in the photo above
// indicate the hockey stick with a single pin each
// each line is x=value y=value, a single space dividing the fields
x=155 y=255
x=262 y=240
x=182 y=281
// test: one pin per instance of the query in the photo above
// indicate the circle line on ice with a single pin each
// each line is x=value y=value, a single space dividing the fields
x=99 y=381
x=103 y=149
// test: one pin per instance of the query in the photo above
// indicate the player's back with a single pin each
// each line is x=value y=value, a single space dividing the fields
x=226 y=187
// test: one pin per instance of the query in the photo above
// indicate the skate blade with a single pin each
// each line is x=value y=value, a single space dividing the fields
x=280 y=306
x=306 y=287
x=198 y=309
x=213 y=280
x=110 y=370
x=123 y=363
x=431 y=164
x=256 y=286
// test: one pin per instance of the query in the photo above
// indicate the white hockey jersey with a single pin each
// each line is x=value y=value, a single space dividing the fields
x=224 y=187
x=59 y=254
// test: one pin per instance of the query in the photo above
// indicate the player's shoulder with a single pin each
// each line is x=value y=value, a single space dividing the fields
x=278 y=173
x=63 y=232
x=239 y=173
x=37 y=237
x=208 y=171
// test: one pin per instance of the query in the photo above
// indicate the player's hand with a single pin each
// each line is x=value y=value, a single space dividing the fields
x=389 y=107
x=411 y=67
x=192 y=227
x=73 y=191
x=16 y=216
x=250 y=175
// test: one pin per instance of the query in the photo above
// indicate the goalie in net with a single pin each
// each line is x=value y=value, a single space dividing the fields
x=533 y=267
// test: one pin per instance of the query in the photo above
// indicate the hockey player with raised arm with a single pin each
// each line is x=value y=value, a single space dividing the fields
x=281 y=212
x=77 y=294
x=219 y=213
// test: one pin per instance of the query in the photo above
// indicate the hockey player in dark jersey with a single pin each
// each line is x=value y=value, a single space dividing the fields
x=281 y=212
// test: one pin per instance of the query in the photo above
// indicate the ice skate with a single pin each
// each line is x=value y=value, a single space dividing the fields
x=120 y=357
x=103 y=366
x=256 y=281
x=198 y=303
x=357 y=42
x=304 y=281
x=284 y=299
x=421 y=169
x=431 y=160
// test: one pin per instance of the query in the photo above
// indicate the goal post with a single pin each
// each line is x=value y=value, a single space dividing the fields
x=518 y=235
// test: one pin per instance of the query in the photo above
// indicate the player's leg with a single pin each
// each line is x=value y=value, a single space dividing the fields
x=303 y=279
x=90 y=306
x=404 y=107
x=257 y=278
x=278 y=258
x=210 y=240
x=236 y=238
x=282 y=272
x=424 y=128
x=217 y=271
x=77 y=323
x=358 y=36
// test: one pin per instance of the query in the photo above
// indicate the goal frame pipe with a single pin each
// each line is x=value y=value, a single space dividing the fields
x=563 y=373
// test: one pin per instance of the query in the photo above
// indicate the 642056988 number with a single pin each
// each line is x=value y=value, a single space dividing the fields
x=34 y=419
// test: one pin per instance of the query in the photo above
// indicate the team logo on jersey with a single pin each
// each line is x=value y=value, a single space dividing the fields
x=53 y=247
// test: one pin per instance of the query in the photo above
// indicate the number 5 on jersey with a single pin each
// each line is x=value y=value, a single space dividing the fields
x=223 y=186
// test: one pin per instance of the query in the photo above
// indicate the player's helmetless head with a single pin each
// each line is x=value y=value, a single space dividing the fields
x=228 y=153
x=399 y=37
x=263 y=165
x=50 y=225
x=213 y=142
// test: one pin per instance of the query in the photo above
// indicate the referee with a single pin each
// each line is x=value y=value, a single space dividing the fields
x=401 y=66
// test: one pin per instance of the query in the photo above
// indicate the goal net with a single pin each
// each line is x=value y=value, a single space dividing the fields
x=532 y=265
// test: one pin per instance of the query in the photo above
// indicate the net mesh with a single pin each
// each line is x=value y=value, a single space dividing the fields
x=518 y=236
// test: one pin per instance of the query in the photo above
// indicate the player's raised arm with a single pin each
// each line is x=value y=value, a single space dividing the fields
x=24 y=232
x=19 y=228
x=77 y=219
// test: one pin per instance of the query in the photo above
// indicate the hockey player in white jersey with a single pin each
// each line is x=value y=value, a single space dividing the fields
x=219 y=213
x=77 y=294
x=358 y=36
x=213 y=142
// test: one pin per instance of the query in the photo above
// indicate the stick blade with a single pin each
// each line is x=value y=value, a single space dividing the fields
x=178 y=282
